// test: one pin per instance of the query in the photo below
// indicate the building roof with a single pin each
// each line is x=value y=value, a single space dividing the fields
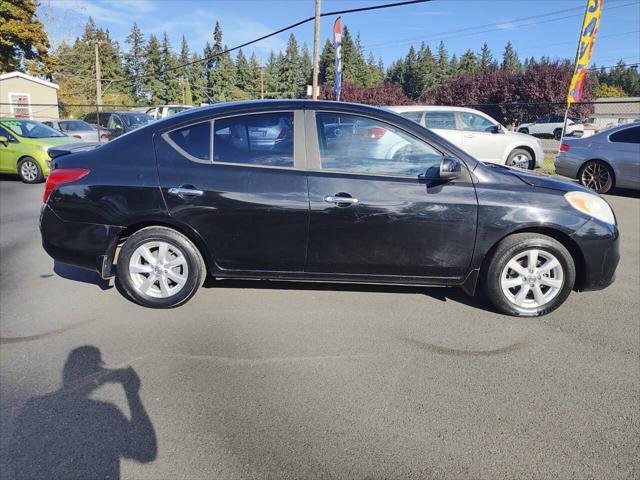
x=6 y=76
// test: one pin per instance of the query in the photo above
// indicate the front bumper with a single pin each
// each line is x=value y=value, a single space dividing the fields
x=85 y=245
x=600 y=246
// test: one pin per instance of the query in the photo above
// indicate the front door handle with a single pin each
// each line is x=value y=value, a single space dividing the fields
x=341 y=201
x=185 y=192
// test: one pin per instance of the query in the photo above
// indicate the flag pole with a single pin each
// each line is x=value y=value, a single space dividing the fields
x=575 y=67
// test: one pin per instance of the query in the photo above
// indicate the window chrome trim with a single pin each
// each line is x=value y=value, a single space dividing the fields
x=165 y=136
x=213 y=121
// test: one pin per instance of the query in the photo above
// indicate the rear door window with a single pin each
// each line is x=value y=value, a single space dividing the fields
x=414 y=116
x=193 y=142
x=264 y=139
x=443 y=120
x=475 y=123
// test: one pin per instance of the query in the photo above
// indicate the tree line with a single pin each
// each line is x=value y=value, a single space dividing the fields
x=149 y=70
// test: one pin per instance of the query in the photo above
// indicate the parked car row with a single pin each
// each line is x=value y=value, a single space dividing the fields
x=320 y=191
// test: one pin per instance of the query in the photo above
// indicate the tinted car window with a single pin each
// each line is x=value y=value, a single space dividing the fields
x=90 y=117
x=103 y=119
x=414 y=116
x=265 y=139
x=475 y=123
x=445 y=120
x=194 y=140
x=369 y=146
x=628 y=135
x=74 y=126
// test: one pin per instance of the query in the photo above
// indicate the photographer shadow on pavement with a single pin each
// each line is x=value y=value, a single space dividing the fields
x=80 y=275
x=66 y=434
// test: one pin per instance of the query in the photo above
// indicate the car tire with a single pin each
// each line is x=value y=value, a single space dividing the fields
x=520 y=158
x=524 y=130
x=597 y=176
x=557 y=133
x=517 y=290
x=29 y=171
x=159 y=267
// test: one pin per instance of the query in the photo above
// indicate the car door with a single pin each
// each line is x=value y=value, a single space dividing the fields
x=372 y=214
x=538 y=127
x=480 y=137
x=9 y=151
x=624 y=154
x=243 y=192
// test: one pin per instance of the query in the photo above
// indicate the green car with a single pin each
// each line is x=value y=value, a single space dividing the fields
x=24 y=145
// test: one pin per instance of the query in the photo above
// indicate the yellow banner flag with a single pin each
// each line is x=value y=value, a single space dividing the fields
x=585 y=49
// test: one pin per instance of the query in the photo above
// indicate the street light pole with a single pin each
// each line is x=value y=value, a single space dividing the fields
x=316 y=52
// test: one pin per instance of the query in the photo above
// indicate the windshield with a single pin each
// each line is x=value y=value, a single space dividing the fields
x=136 y=119
x=31 y=129
x=75 y=126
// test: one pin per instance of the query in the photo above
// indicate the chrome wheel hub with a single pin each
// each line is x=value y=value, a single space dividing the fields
x=520 y=161
x=531 y=279
x=158 y=269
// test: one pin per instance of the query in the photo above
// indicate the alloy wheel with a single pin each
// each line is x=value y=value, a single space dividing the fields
x=29 y=170
x=596 y=177
x=158 y=269
x=520 y=160
x=531 y=279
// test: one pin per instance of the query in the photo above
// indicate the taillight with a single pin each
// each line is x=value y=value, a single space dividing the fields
x=61 y=176
x=376 y=133
x=283 y=132
x=76 y=136
x=564 y=147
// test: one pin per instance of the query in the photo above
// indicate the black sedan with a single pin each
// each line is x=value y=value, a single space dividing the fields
x=378 y=200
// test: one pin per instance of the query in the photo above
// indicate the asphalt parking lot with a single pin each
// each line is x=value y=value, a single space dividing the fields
x=270 y=380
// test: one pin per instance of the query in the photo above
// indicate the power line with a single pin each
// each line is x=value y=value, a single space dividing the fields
x=490 y=27
x=277 y=32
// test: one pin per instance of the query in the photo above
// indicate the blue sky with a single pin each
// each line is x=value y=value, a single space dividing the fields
x=387 y=33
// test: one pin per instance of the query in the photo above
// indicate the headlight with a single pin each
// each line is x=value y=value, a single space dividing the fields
x=591 y=205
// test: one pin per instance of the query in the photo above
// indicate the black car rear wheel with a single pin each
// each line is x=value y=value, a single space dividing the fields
x=159 y=268
x=529 y=274
x=597 y=176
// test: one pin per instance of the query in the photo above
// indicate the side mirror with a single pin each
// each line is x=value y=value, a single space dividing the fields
x=4 y=140
x=498 y=128
x=450 y=168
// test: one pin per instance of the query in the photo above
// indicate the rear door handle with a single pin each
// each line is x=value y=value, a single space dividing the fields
x=346 y=201
x=185 y=192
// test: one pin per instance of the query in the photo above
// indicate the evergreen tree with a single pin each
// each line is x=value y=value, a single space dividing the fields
x=291 y=74
x=411 y=82
x=185 y=74
x=454 y=64
x=468 y=63
x=134 y=61
x=485 y=58
x=253 y=83
x=375 y=70
x=272 y=75
x=395 y=74
x=307 y=65
x=428 y=67
x=326 y=64
x=23 y=41
x=152 y=84
x=510 y=60
x=197 y=80
x=443 y=73
x=172 y=92
x=242 y=71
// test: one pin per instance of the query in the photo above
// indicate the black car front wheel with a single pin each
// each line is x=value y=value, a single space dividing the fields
x=159 y=268
x=529 y=274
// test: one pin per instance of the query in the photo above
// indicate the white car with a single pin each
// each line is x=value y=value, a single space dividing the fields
x=551 y=126
x=162 y=111
x=478 y=134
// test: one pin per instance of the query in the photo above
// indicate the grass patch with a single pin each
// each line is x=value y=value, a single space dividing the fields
x=548 y=165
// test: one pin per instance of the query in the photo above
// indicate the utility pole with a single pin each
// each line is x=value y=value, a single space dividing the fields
x=261 y=80
x=316 y=52
x=98 y=79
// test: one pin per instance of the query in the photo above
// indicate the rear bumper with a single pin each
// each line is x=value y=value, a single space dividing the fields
x=567 y=165
x=85 y=245
x=600 y=245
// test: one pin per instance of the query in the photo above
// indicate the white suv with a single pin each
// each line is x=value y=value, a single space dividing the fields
x=478 y=134
x=551 y=126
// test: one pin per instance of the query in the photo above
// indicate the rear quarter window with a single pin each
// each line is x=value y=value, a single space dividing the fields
x=628 y=135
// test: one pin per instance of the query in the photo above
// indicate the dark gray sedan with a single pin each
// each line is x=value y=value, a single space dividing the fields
x=603 y=161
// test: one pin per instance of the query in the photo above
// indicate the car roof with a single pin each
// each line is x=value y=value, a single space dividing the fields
x=430 y=108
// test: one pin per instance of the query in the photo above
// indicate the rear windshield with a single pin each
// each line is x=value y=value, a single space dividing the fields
x=74 y=126
x=31 y=129
x=136 y=119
